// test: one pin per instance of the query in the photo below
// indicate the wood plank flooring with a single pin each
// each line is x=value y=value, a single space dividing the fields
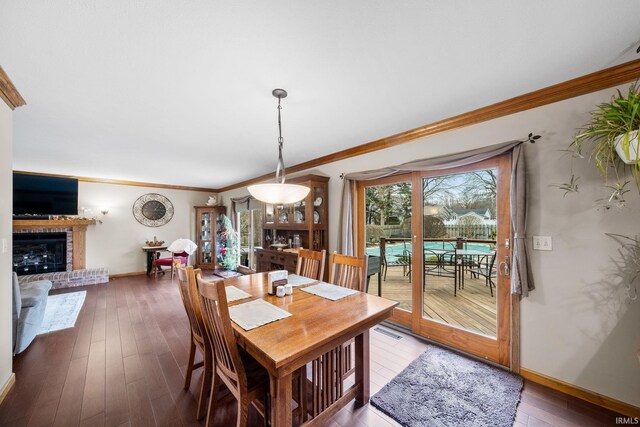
x=473 y=308
x=123 y=364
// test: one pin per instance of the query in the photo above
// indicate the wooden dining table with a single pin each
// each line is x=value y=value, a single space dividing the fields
x=317 y=325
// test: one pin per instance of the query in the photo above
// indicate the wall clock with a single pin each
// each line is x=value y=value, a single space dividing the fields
x=153 y=210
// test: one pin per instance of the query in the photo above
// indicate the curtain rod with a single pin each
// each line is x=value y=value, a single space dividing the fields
x=530 y=138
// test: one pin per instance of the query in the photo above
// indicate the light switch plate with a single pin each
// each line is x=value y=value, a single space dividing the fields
x=542 y=243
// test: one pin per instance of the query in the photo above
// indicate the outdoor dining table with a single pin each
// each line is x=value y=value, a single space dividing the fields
x=316 y=326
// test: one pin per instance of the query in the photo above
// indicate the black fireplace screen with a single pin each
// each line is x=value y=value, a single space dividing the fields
x=39 y=252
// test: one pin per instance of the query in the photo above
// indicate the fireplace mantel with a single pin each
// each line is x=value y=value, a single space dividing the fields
x=48 y=223
x=77 y=226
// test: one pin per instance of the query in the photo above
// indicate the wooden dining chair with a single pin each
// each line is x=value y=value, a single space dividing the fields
x=348 y=271
x=245 y=378
x=311 y=263
x=191 y=301
x=330 y=369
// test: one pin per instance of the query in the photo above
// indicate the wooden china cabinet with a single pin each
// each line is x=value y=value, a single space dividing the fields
x=208 y=221
x=305 y=222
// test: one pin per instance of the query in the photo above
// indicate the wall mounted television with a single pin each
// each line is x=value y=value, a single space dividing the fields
x=41 y=195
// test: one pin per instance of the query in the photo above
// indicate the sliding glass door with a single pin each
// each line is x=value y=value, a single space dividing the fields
x=387 y=218
x=443 y=241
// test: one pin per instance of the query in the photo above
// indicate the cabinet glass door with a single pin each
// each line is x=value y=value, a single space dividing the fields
x=205 y=237
x=299 y=213
x=319 y=205
x=283 y=215
x=269 y=214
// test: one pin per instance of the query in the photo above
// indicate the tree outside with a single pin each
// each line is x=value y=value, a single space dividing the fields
x=388 y=207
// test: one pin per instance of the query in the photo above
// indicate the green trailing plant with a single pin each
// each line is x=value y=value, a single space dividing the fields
x=597 y=140
x=569 y=187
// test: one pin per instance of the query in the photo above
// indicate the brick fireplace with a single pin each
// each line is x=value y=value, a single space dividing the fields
x=37 y=255
x=42 y=252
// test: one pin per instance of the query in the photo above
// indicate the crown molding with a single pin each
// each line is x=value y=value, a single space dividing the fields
x=123 y=182
x=9 y=93
x=583 y=85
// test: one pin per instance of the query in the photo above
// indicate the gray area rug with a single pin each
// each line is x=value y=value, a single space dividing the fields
x=442 y=388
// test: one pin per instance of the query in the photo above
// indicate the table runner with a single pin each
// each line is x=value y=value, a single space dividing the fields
x=328 y=291
x=252 y=314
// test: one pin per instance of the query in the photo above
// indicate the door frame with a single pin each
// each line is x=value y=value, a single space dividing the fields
x=505 y=348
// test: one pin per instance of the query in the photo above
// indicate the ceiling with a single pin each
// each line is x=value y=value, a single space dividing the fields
x=180 y=92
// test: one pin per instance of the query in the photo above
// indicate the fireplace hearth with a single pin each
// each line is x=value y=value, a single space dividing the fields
x=35 y=253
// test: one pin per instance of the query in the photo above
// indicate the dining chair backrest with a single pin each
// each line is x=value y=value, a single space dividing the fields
x=348 y=271
x=311 y=263
x=215 y=313
x=191 y=299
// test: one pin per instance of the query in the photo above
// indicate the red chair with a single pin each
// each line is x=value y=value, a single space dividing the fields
x=180 y=250
x=158 y=263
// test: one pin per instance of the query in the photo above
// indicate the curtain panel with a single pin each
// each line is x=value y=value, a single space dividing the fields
x=240 y=204
x=521 y=279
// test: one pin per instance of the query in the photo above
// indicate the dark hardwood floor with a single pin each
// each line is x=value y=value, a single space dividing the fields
x=124 y=362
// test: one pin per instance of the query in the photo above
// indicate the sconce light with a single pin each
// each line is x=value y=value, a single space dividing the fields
x=104 y=210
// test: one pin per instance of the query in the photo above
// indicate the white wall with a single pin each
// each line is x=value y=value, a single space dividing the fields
x=576 y=326
x=6 y=197
x=116 y=242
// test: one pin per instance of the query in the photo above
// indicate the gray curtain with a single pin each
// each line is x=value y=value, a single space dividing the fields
x=239 y=204
x=521 y=280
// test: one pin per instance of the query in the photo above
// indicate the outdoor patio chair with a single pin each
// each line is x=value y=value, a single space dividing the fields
x=488 y=272
x=440 y=263
x=395 y=260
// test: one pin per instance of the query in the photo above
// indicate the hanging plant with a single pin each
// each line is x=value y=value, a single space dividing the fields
x=610 y=140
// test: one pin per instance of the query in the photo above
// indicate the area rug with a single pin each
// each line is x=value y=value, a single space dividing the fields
x=442 y=388
x=62 y=311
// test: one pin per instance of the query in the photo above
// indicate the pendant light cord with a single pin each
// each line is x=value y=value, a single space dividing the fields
x=280 y=171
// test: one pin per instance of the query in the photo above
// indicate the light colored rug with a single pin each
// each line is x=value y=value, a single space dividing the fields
x=62 y=311
x=442 y=388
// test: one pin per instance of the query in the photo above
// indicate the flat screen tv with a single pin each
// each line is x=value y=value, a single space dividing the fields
x=44 y=195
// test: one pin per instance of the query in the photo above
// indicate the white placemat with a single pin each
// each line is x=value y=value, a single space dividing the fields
x=295 y=280
x=256 y=313
x=328 y=291
x=234 y=294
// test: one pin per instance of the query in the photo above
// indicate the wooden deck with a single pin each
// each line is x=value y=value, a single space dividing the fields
x=473 y=308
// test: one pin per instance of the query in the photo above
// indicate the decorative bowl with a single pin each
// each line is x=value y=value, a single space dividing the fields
x=154 y=243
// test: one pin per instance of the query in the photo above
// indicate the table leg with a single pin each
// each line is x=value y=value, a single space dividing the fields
x=281 y=395
x=150 y=255
x=363 y=367
x=380 y=283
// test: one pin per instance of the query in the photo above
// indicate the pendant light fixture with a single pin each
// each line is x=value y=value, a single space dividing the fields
x=279 y=193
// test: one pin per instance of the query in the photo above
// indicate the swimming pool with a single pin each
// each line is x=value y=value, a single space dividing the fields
x=397 y=249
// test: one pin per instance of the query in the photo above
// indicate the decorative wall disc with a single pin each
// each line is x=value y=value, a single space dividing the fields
x=153 y=210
